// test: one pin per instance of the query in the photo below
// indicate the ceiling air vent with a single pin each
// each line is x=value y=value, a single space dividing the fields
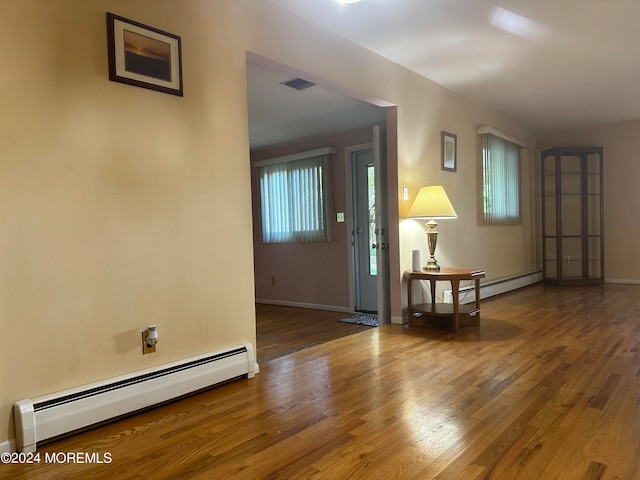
x=298 y=83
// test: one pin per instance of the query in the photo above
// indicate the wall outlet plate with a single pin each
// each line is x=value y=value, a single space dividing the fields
x=340 y=217
x=146 y=349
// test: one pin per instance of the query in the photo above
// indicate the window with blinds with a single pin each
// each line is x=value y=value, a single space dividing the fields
x=294 y=199
x=500 y=181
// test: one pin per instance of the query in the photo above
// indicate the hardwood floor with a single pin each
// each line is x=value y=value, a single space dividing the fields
x=547 y=387
x=282 y=330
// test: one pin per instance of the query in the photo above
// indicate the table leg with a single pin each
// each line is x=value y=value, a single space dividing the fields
x=455 y=292
x=432 y=285
x=477 y=281
x=409 y=310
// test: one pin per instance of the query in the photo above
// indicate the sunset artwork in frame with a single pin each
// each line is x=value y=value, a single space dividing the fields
x=143 y=56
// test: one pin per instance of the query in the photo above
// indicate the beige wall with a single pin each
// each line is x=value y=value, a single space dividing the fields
x=502 y=251
x=119 y=206
x=122 y=206
x=621 y=170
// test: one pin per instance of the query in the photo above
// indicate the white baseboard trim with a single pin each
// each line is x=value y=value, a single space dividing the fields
x=395 y=320
x=313 y=306
x=495 y=287
x=8 y=446
x=622 y=280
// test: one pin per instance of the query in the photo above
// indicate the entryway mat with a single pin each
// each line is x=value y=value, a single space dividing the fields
x=362 y=319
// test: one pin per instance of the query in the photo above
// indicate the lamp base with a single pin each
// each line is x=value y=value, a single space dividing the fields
x=432 y=240
x=432 y=265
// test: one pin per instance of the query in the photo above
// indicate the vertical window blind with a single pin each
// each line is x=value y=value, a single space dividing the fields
x=294 y=197
x=501 y=181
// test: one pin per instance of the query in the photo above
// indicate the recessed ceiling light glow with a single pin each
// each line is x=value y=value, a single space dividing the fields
x=348 y=1
x=518 y=25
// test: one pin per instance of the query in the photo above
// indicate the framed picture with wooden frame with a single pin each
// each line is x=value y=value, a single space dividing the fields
x=143 y=56
x=449 y=151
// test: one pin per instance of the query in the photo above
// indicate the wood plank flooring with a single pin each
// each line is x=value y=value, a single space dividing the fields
x=547 y=387
x=282 y=330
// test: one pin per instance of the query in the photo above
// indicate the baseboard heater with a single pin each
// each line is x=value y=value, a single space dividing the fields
x=494 y=288
x=50 y=416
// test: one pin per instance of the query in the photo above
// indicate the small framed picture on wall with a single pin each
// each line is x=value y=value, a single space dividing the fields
x=143 y=56
x=449 y=151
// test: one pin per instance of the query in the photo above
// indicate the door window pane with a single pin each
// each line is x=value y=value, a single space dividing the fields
x=371 y=204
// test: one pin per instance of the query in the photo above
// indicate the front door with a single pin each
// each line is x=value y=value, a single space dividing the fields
x=364 y=231
x=382 y=222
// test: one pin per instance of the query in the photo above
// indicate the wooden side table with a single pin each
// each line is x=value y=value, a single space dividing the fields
x=470 y=313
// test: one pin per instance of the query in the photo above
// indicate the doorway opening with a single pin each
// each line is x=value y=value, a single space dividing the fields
x=281 y=117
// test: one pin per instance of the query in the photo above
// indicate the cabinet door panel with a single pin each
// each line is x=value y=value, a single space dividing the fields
x=571 y=217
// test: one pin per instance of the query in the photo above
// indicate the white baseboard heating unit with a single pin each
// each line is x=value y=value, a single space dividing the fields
x=496 y=287
x=50 y=416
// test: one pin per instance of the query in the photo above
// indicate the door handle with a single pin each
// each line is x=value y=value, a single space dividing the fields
x=374 y=246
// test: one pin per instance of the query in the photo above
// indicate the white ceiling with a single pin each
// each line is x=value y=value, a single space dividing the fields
x=279 y=114
x=550 y=63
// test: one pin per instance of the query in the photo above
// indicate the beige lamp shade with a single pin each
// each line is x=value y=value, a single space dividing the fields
x=432 y=202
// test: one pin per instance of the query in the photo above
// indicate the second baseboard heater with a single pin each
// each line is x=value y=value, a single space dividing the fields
x=50 y=416
x=490 y=289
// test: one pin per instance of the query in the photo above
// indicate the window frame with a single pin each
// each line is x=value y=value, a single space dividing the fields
x=503 y=167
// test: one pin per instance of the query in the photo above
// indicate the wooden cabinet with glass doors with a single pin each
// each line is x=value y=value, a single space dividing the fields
x=572 y=223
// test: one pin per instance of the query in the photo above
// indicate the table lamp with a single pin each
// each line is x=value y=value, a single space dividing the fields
x=432 y=202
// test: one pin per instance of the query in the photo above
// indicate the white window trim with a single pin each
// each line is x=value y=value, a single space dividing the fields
x=488 y=129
